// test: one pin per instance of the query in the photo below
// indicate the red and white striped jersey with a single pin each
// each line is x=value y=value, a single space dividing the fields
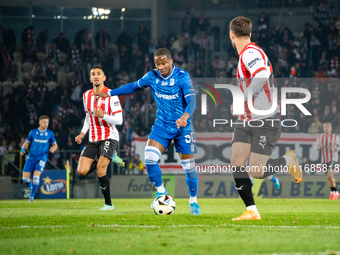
x=99 y=128
x=325 y=143
x=253 y=60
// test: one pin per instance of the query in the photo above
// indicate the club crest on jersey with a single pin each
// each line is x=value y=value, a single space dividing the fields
x=172 y=82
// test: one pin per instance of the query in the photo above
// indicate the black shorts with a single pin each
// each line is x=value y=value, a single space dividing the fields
x=104 y=148
x=262 y=138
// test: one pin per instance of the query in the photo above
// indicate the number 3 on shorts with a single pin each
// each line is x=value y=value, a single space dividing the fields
x=190 y=138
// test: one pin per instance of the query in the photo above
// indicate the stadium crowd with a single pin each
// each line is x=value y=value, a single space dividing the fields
x=49 y=79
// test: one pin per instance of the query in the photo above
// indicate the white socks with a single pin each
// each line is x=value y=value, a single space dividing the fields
x=253 y=208
x=288 y=159
x=161 y=188
x=192 y=200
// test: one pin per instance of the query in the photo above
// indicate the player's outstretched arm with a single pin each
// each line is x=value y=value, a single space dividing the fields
x=124 y=90
x=23 y=148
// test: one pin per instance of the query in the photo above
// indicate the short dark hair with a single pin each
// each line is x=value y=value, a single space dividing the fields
x=98 y=67
x=161 y=52
x=42 y=117
x=241 y=26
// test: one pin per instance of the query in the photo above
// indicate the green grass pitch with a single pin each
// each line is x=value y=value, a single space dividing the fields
x=288 y=226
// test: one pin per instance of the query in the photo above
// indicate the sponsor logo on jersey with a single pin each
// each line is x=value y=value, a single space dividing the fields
x=51 y=186
x=40 y=141
x=253 y=62
x=166 y=96
x=116 y=103
x=164 y=83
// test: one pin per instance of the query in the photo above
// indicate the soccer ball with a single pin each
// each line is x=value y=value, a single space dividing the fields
x=164 y=205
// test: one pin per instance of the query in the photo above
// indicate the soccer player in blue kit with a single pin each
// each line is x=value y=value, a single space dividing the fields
x=176 y=101
x=42 y=141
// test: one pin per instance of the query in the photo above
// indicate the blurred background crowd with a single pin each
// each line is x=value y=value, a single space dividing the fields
x=40 y=75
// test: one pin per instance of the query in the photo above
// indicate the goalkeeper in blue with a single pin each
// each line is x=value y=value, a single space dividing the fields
x=41 y=141
x=176 y=101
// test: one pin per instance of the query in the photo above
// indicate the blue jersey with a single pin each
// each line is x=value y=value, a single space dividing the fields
x=170 y=95
x=40 y=143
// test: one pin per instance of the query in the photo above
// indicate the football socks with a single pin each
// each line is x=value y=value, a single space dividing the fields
x=105 y=187
x=243 y=186
x=191 y=176
x=152 y=155
x=36 y=181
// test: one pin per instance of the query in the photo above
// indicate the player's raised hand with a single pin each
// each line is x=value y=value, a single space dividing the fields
x=98 y=112
x=79 y=138
x=102 y=94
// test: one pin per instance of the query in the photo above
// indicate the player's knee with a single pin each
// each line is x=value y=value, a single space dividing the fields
x=36 y=180
x=188 y=165
x=151 y=155
x=238 y=160
x=25 y=179
x=82 y=171
x=257 y=174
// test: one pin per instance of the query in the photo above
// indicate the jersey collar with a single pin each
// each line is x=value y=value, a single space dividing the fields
x=165 y=78
x=245 y=47
x=43 y=130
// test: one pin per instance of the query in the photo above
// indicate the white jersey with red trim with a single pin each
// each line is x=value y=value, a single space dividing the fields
x=326 y=143
x=253 y=60
x=100 y=129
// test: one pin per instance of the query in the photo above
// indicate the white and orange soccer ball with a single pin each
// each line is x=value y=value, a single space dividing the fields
x=164 y=205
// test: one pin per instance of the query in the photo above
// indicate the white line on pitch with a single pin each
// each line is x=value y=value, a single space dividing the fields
x=172 y=226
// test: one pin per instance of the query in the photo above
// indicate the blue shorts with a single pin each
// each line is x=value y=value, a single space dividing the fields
x=33 y=164
x=185 y=142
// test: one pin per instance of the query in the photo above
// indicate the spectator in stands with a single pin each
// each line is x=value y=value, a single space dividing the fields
x=327 y=115
x=12 y=73
x=28 y=36
x=187 y=25
x=152 y=47
x=203 y=44
x=81 y=39
x=102 y=38
x=54 y=53
x=73 y=57
x=202 y=24
x=143 y=38
x=316 y=126
x=5 y=60
x=136 y=165
x=124 y=39
x=38 y=71
x=219 y=67
x=124 y=59
x=51 y=70
x=263 y=23
x=41 y=41
x=29 y=52
x=62 y=43
x=82 y=75
x=147 y=64
x=163 y=42
x=178 y=59
x=9 y=40
x=41 y=89
x=32 y=117
x=139 y=64
x=88 y=56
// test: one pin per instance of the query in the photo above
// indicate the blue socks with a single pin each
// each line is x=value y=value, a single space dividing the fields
x=152 y=155
x=191 y=175
x=36 y=181
x=27 y=181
